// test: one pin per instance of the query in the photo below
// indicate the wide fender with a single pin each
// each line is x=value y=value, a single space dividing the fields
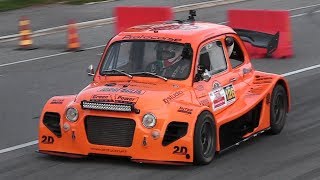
x=283 y=81
x=183 y=111
x=276 y=79
x=57 y=104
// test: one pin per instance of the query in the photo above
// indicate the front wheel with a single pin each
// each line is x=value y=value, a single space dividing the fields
x=278 y=109
x=204 y=139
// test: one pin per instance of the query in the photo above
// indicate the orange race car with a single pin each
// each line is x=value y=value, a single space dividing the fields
x=168 y=92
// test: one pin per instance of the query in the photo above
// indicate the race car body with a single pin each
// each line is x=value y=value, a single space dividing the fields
x=168 y=92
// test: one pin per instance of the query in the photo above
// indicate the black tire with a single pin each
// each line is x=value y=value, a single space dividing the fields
x=278 y=109
x=204 y=139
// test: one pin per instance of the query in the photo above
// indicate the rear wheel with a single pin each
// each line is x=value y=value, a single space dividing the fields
x=204 y=139
x=278 y=109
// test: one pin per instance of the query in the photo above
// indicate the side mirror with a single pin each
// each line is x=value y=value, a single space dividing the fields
x=206 y=76
x=90 y=70
x=202 y=74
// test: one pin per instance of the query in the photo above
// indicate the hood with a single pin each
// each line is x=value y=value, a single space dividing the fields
x=132 y=92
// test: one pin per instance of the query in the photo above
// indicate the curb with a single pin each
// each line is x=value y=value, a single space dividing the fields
x=111 y=20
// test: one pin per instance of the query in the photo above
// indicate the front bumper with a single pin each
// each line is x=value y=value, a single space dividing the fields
x=74 y=142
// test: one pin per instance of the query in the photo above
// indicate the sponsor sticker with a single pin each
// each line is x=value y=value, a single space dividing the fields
x=57 y=101
x=185 y=110
x=173 y=96
x=126 y=99
x=106 y=150
x=102 y=98
x=123 y=90
x=221 y=97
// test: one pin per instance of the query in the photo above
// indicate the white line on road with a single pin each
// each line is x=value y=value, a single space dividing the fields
x=48 y=56
x=18 y=146
x=34 y=59
x=99 y=2
x=301 y=70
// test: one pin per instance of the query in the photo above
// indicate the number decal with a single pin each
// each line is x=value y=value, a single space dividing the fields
x=230 y=94
x=176 y=149
x=180 y=150
x=47 y=140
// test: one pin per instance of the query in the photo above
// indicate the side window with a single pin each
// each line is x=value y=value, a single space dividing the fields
x=124 y=52
x=234 y=51
x=212 y=58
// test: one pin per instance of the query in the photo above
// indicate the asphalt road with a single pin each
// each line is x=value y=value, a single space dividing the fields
x=25 y=87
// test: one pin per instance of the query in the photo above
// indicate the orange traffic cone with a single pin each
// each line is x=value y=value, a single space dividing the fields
x=73 y=37
x=25 y=34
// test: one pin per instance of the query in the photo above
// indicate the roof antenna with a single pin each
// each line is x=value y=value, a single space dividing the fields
x=192 y=14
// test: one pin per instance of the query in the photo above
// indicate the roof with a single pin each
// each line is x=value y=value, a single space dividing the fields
x=175 y=31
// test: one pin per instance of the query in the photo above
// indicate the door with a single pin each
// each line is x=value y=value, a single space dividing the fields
x=219 y=91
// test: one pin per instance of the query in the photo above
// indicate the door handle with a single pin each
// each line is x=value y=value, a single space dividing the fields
x=233 y=79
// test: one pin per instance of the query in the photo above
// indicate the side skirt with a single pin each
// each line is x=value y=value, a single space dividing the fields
x=244 y=140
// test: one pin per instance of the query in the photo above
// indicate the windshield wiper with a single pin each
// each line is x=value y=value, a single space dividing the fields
x=151 y=74
x=116 y=70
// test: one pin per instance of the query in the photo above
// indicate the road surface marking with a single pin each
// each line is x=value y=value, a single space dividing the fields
x=18 y=146
x=301 y=70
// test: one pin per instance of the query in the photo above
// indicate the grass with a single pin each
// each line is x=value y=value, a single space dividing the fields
x=6 y=5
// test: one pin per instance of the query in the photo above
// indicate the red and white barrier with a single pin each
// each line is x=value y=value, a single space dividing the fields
x=136 y=15
x=267 y=21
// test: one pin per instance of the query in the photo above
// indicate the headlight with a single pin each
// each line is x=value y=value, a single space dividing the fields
x=72 y=114
x=149 y=120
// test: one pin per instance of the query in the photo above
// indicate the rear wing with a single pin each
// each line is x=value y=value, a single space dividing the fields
x=260 y=39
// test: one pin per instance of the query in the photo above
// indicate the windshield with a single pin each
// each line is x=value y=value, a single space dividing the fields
x=165 y=59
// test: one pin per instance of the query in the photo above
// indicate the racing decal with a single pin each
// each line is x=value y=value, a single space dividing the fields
x=262 y=80
x=151 y=38
x=132 y=91
x=200 y=88
x=221 y=97
x=102 y=98
x=185 y=110
x=218 y=98
x=106 y=150
x=181 y=150
x=175 y=86
x=109 y=89
x=230 y=93
x=216 y=85
x=114 y=98
x=204 y=102
x=126 y=99
x=47 y=140
x=123 y=90
x=57 y=101
x=173 y=96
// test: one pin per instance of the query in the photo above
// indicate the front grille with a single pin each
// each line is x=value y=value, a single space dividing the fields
x=52 y=122
x=106 y=106
x=110 y=131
